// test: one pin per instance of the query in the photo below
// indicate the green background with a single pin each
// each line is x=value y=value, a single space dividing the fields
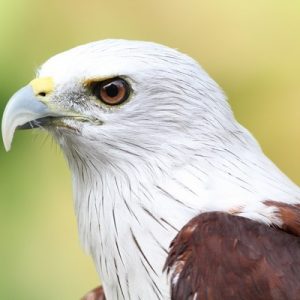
x=251 y=48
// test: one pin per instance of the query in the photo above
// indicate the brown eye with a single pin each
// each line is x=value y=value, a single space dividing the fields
x=113 y=91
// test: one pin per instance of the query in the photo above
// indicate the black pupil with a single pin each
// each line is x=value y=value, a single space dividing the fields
x=112 y=90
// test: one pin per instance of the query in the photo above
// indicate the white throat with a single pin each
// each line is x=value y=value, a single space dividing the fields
x=127 y=225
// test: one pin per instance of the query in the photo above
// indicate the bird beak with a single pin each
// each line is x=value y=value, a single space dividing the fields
x=28 y=104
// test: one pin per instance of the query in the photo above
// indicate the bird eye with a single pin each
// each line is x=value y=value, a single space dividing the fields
x=113 y=91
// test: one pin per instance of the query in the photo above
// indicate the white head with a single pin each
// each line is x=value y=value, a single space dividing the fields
x=171 y=101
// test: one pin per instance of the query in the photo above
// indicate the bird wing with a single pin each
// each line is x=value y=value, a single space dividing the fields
x=222 y=256
x=95 y=294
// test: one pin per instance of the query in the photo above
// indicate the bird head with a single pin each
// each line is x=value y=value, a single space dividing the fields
x=115 y=98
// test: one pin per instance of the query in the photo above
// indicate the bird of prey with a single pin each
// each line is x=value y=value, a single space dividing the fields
x=174 y=198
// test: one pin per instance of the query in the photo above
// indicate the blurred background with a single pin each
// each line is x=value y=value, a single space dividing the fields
x=251 y=48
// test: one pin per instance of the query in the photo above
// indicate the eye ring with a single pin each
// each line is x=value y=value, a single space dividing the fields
x=112 y=91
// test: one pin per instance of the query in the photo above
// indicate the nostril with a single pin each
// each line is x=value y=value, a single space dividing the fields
x=42 y=94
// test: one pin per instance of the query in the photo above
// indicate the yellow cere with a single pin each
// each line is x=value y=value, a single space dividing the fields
x=42 y=85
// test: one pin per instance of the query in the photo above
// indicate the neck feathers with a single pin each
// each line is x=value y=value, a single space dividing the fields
x=129 y=211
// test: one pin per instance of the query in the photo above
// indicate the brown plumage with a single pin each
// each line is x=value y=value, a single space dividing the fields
x=289 y=214
x=221 y=256
x=264 y=272
x=95 y=294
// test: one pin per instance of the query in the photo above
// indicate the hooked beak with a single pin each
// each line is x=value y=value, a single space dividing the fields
x=27 y=105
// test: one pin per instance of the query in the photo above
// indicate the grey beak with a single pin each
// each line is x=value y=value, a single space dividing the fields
x=22 y=108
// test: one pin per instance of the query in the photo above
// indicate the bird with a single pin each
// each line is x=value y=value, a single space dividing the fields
x=174 y=198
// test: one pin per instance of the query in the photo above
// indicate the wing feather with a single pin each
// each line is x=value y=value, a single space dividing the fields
x=222 y=256
x=95 y=294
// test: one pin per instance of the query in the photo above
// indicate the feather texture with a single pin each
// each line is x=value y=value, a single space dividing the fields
x=221 y=256
x=173 y=151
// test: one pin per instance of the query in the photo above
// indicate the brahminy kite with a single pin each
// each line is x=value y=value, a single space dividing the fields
x=174 y=198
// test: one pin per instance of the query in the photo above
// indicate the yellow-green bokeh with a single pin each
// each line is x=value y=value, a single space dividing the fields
x=251 y=48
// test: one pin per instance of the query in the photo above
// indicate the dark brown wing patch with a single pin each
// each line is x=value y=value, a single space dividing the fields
x=289 y=214
x=220 y=256
x=95 y=294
